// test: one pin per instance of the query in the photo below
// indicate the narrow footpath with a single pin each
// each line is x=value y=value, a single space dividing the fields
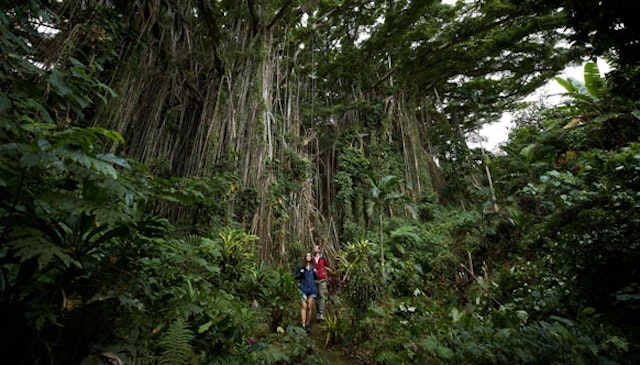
x=319 y=336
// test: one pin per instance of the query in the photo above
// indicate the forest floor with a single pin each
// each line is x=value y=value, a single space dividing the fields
x=319 y=335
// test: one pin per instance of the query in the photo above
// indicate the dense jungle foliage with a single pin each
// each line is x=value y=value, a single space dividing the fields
x=165 y=165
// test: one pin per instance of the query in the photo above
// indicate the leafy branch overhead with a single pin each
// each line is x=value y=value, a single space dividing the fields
x=593 y=100
x=499 y=50
x=165 y=165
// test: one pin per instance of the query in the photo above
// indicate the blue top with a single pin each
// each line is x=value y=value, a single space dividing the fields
x=307 y=279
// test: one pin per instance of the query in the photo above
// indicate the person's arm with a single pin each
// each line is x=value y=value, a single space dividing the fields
x=299 y=272
x=327 y=266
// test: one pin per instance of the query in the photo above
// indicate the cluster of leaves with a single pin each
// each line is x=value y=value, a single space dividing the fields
x=197 y=204
x=575 y=201
x=366 y=192
x=350 y=181
x=584 y=203
x=516 y=315
x=432 y=332
x=88 y=274
x=362 y=287
x=549 y=279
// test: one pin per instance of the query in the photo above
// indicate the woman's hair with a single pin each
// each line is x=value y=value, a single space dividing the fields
x=304 y=260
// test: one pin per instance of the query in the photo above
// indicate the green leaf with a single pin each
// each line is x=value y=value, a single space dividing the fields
x=592 y=80
x=566 y=84
x=30 y=159
x=205 y=327
x=5 y=102
x=111 y=158
x=563 y=320
x=58 y=83
x=432 y=345
x=76 y=62
x=456 y=315
x=522 y=315
x=30 y=246
x=606 y=117
x=90 y=162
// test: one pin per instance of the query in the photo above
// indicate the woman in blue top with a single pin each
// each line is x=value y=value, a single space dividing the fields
x=307 y=274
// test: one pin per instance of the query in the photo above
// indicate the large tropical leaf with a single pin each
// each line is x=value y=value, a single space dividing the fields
x=593 y=83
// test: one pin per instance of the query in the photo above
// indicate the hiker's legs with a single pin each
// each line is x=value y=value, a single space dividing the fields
x=309 y=311
x=323 y=294
x=303 y=311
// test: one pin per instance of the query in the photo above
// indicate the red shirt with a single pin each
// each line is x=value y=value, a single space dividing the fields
x=322 y=265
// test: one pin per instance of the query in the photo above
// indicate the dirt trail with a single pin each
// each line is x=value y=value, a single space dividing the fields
x=319 y=335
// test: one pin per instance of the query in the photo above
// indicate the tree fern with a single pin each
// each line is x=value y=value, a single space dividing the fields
x=176 y=345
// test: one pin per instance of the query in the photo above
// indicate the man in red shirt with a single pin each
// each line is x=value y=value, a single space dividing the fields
x=324 y=270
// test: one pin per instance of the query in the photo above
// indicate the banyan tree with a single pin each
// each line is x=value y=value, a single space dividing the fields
x=303 y=105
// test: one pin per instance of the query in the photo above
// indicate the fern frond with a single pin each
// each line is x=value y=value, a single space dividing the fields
x=407 y=232
x=144 y=361
x=176 y=345
x=388 y=357
x=29 y=244
x=269 y=355
x=224 y=361
x=192 y=240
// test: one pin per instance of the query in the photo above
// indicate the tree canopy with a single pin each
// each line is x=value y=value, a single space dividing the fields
x=164 y=165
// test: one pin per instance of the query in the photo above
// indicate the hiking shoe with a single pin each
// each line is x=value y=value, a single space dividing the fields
x=307 y=329
x=321 y=317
